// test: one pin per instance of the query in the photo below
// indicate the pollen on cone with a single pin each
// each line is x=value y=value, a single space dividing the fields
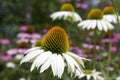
x=56 y=40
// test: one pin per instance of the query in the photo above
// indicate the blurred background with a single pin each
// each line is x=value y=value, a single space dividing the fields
x=22 y=22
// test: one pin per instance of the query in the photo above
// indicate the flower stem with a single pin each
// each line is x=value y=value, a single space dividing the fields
x=109 y=55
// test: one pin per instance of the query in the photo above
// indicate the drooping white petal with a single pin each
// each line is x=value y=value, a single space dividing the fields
x=110 y=26
x=105 y=26
x=78 y=58
x=32 y=49
x=99 y=25
x=54 y=64
x=86 y=24
x=77 y=17
x=46 y=65
x=65 y=14
x=81 y=24
x=31 y=55
x=88 y=77
x=70 y=62
x=60 y=65
x=93 y=24
x=40 y=59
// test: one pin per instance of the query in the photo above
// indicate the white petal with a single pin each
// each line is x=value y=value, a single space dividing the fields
x=30 y=56
x=81 y=24
x=78 y=58
x=99 y=25
x=88 y=77
x=110 y=26
x=70 y=62
x=93 y=24
x=40 y=59
x=77 y=17
x=105 y=26
x=54 y=64
x=86 y=24
x=32 y=49
x=60 y=65
x=46 y=65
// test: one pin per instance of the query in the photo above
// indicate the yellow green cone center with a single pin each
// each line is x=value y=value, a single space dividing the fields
x=87 y=71
x=109 y=10
x=38 y=43
x=95 y=14
x=67 y=7
x=56 y=41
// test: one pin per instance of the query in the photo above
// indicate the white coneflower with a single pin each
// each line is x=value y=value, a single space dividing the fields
x=52 y=52
x=95 y=21
x=67 y=13
x=110 y=15
x=92 y=73
x=22 y=79
x=10 y=65
x=118 y=78
x=18 y=57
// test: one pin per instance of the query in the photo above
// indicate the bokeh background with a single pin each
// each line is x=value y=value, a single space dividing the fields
x=30 y=19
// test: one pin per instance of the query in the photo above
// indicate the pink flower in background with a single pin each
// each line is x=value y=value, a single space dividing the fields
x=23 y=28
x=29 y=36
x=5 y=57
x=4 y=41
x=35 y=36
x=23 y=40
x=23 y=35
x=16 y=51
x=12 y=51
x=77 y=50
x=81 y=5
x=113 y=49
x=91 y=46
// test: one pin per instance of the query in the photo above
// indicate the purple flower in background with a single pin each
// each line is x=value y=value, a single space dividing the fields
x=23 y=40
x=4 y=41
x=110 y=68
x=5 y=57
x=29 y=36
x=91 y=46
x=81 y=5
x=23 y=35
x=35 y=36
x=113 y=49
x=16 y=51
x=12 y=51
x=77 y=50
x=23 y=28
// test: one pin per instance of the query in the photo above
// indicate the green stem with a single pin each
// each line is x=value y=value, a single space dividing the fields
x=109 y=55
x=94 y=52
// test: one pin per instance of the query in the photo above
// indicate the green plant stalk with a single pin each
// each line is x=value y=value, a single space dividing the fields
x=109 y=55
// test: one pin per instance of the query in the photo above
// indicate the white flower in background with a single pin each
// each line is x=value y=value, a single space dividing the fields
x=10 y=65
x=67 y=13
x=53 y=53
x=110 y=15
x=118 y=78
x=95 y=21
x=18 y=57
x=92 y=73
x=22 y=79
